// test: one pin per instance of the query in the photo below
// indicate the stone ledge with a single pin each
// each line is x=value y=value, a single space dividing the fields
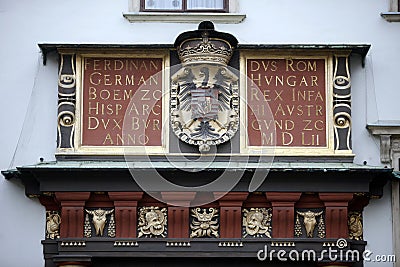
x=391 y=16
x=225 y=18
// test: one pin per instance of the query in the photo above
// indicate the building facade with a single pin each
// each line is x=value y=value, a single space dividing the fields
x=117 y=98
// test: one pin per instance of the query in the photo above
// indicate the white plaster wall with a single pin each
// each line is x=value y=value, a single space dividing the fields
x=377 y=226
x=29 y=89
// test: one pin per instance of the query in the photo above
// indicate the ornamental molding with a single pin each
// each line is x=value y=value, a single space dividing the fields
x=389 y=134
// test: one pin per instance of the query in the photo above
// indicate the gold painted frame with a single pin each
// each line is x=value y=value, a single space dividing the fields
x=85 y=150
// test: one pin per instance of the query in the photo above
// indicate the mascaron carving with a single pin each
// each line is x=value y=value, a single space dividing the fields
x=257 y=222
x=204 y=223
x=152 y=222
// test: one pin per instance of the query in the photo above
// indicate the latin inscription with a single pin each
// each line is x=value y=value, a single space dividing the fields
x=295 y=91
x=122 y=103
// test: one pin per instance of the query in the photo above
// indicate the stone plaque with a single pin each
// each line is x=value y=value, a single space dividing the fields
x=121 y=101
x=288 y=103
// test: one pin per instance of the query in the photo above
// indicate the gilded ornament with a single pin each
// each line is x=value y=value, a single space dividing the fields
x=204 y=223
x=152 y=222
x=205 y=91
x=297 y=227
x=257 y=222
x=87 y=227
x=99 y=219
x=355 y=226
x=53 y=222
x=321 y=228
x=111 y=226
x=309 y=221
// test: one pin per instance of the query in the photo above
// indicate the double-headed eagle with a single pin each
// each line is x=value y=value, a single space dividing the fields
x=205 y=108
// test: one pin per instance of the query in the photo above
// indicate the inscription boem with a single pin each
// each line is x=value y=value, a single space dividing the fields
x=109 y=86
x=295 y=90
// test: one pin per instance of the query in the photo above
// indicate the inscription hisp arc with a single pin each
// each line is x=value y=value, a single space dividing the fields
x=295 y=91
x=114 y=88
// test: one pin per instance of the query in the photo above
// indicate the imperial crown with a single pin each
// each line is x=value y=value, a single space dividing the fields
x=205 y=45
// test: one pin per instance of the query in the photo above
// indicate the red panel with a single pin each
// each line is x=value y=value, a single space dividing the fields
x=283 y=213
x=113 y=87
x=125 y=212
x=336 y=213
x=295 y=91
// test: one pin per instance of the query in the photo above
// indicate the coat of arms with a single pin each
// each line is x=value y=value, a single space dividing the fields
x=204 y=92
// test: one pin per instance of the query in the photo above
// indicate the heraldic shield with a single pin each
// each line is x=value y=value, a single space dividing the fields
x=205 y=90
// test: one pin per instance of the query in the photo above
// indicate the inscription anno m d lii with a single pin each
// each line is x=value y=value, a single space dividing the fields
x=295 y=90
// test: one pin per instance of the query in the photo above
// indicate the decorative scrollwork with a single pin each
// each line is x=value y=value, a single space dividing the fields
x=66 y=80
x=204 y=223
x=152 y=222
x=342 y=120
x=66 y=118
x=257 y=222
x=66 y=101
x=342 y=103
x=341 y=82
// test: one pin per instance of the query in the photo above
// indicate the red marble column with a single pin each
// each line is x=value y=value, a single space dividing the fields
x=231 y=213
x=72 y=213
x=283 y=213
x=125 y=204
x=336 y=213
x=178 y=216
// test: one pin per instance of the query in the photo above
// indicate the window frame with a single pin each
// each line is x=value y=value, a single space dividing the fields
x=394 y=11
x=184 y=8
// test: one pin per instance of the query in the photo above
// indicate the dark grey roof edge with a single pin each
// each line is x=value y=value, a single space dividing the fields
x=361 y=49
x=279 y=166
x=46 y=48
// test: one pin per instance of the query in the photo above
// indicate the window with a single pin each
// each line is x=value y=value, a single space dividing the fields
x=184 y=5
x=184 y=11
x=394 y=11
